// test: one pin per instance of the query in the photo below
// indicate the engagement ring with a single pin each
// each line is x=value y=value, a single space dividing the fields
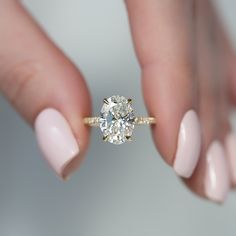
x=117 y=120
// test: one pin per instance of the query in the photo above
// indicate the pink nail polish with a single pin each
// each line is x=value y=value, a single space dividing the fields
x=189 y=145
x=230 y=144
x=217 y=174
x=55 y=139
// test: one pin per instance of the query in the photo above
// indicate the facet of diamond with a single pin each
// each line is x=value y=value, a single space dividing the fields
x=117 y=119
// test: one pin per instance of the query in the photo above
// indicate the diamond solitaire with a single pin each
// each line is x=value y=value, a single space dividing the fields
x=117 y=119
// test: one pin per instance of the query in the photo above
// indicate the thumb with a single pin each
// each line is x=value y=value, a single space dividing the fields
x=45 y=87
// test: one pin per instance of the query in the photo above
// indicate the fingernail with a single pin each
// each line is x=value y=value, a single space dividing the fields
x=230 y=144
x=189 y=145
x=217 y=174
x=55 y=139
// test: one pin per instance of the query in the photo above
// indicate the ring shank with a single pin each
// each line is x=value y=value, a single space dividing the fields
x=145 y=120
x=94 y=121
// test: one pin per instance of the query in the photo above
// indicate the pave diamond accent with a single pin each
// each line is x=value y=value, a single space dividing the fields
x=144 y=120
x=117 y=119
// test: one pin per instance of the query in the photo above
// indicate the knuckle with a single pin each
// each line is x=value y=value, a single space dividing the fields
x=18 y=78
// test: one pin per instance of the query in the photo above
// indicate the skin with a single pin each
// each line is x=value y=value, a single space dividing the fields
x=186 y=61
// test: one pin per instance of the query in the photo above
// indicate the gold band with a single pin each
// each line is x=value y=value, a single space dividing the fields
x=94 y=121
x=145 y=120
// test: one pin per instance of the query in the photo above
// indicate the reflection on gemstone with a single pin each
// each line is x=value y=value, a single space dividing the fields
x=117 y=119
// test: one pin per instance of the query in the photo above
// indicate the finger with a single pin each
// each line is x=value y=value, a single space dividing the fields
x=44 y=86
x=211 y=178
x=227 y=60
x=162 y=33
x=231 y=70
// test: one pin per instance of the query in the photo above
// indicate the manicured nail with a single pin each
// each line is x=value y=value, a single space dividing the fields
x=55 y=139
x=189 y=145
x=217 y=173
x=230 y=144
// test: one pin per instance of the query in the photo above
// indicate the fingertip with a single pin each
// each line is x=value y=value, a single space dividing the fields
x=57 y=141
x=189 y=145
x=217 y=180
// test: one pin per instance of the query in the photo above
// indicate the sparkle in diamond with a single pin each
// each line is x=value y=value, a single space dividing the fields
x=117 y=119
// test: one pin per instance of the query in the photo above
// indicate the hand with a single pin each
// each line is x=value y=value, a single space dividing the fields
x=45 y=87
x=187 y=72
x=189 y=84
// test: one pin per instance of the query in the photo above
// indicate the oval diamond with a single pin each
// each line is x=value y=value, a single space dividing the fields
x=117 y=119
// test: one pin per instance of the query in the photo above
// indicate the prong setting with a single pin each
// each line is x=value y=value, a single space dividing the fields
x=105 y=101
x=128 y=138
x=129 y=100
x=105 y=138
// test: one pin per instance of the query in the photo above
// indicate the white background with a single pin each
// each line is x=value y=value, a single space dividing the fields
x=122 y=190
